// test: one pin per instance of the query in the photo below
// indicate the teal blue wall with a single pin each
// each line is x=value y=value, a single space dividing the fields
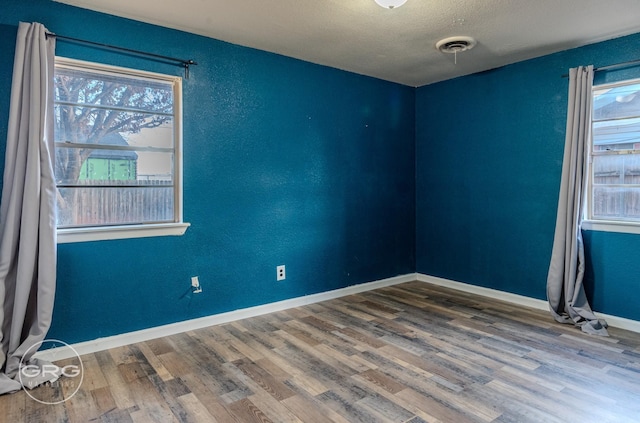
x=285 y=162
x=489 y=155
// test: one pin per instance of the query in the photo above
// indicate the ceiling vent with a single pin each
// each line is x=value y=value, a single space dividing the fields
x=455 y=45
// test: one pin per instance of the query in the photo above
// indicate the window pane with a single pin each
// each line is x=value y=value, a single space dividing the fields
x=87 y=166
x=616 y=169
x=89 y=125
x=97 y=206
x=615 y=203
x=623 y=134
x=84 y=87
x=617 y=102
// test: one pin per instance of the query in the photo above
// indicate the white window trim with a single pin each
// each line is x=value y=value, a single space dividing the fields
x=611 y=226
x=104 y=233
x=177 y=228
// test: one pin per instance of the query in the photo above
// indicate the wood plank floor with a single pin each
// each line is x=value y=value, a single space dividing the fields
x=408 y=353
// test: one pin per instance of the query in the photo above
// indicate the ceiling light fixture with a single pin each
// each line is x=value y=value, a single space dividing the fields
x=391 y=4
x=455 y=45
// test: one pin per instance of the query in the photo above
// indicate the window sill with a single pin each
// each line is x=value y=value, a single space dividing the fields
x=611 y=226
x=120 y=232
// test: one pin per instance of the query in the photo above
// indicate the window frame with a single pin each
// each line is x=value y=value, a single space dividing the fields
x=589 y=222
x=110 y=232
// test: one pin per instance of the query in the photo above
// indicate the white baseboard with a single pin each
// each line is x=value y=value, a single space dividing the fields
x=614 y=321
x=115 y=341
x=485 y=292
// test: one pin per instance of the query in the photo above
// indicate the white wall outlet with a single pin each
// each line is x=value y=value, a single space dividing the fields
x=280 y=273
x=195 y=284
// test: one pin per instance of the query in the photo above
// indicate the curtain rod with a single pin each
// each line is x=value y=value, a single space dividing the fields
x=614 y=66
x=182 y=62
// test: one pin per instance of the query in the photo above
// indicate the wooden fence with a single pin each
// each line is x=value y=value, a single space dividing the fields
x=611 y=198
x=115 y=203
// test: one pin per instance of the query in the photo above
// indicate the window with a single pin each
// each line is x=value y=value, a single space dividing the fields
x=615 y=154
x=118 y=152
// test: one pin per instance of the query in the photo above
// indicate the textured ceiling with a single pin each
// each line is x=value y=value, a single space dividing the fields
x=396 y=45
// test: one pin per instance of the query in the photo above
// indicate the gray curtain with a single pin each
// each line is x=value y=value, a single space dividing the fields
x=565 y=291
x=27 y=211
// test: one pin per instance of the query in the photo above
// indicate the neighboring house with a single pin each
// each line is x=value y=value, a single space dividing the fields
x=110 y=165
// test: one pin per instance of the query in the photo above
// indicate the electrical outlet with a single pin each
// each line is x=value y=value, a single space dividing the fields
x=280 y=273
x=195 y=284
